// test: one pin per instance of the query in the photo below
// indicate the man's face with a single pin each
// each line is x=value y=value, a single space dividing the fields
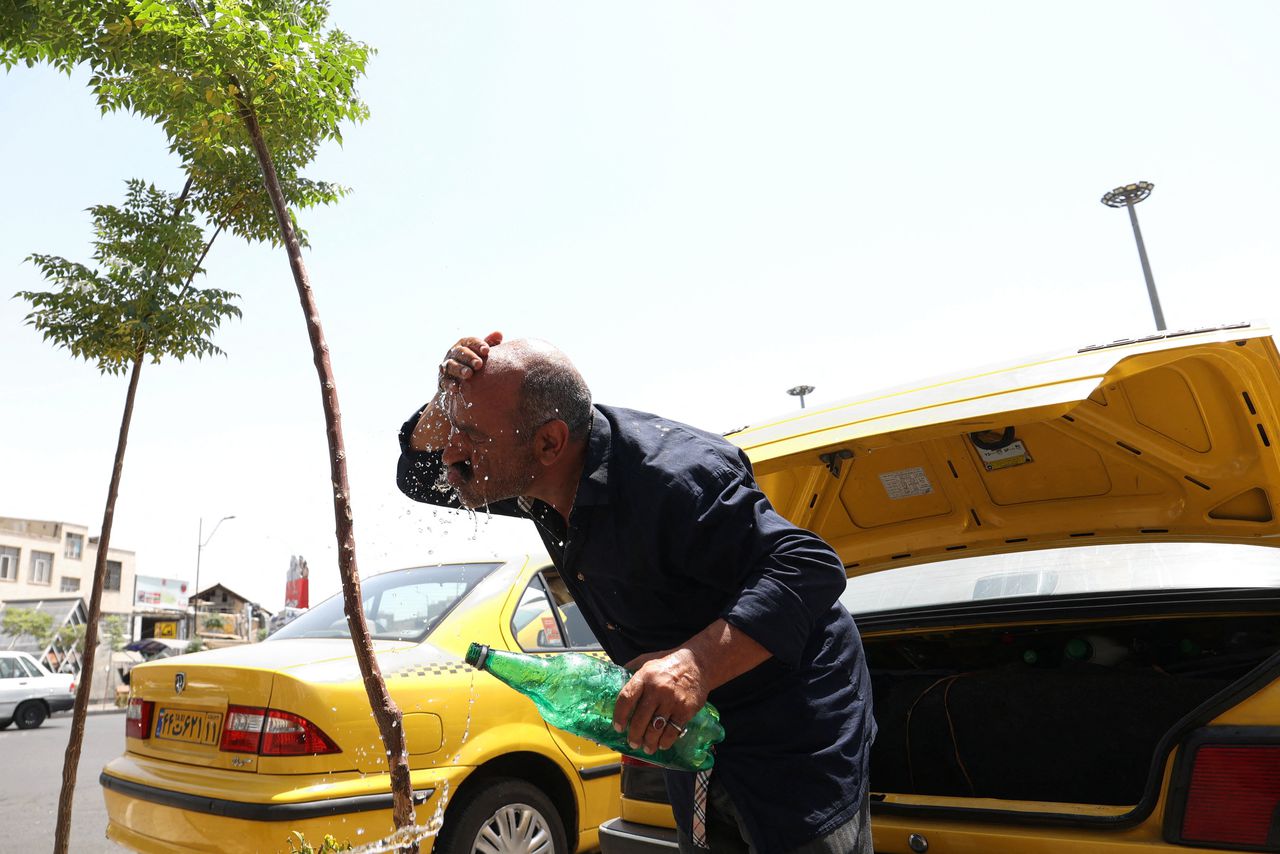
x=488 y=457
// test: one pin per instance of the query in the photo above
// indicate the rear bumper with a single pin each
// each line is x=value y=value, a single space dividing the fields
x=158 y=807
x=625 y=837
x=60 y=704
x=255 y=812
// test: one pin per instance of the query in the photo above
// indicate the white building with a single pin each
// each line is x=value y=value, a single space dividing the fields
x=55 y=560
x=48 y=567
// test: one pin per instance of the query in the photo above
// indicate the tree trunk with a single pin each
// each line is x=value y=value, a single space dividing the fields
x=385 y=712
x=71 y=760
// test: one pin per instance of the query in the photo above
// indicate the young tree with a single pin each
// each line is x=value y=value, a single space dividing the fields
x=247 y=91
x=115 y=628
x=20 y=622
x=138 y=303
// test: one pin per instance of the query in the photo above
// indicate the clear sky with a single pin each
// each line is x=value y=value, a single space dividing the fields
x=703 y=204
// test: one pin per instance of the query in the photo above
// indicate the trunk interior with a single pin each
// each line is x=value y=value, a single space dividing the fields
x=1058 y=711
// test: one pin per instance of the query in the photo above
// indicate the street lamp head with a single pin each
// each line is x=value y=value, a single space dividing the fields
x=1129 y=194
x=800 y=390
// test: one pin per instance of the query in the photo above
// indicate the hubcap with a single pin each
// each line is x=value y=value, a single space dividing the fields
x=514 y=829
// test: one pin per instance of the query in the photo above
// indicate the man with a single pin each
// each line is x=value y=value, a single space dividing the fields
x=686 y=574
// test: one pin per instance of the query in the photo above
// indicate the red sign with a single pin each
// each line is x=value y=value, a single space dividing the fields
x=295 y=587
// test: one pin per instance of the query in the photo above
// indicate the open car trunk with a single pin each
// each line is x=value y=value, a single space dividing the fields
x=1057 y=709
x=1012 y=689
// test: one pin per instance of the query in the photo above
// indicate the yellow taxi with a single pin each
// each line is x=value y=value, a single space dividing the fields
x=1065 y=575
x=236 y=749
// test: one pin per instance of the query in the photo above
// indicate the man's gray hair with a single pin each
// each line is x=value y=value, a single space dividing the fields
x=551 y=388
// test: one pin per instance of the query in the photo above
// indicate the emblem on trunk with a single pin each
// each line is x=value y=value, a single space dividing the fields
x=179 y=682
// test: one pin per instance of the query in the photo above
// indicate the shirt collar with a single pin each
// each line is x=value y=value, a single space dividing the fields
x=593 y=488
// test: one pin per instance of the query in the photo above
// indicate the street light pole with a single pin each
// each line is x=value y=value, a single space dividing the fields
x=201 y=542
x=1126 y=197
x=800 y=391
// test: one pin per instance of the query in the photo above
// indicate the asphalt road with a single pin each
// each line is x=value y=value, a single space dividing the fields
x=31 y=776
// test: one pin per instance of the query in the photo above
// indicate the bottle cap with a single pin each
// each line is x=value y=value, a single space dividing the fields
x=476 y=655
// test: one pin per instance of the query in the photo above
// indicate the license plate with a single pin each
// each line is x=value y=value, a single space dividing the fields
x=190 y=726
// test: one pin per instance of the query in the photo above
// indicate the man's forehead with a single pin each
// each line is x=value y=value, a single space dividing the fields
x=487 y=400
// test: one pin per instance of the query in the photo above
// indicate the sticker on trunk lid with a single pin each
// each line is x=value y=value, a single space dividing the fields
x=1012 y=454
x=906 y=483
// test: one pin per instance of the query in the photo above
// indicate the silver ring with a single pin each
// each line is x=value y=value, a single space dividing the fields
x=673 y=725
x=658 y=722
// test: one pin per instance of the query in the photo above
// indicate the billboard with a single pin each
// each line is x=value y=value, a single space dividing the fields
x=152 y=592
x=295 y=587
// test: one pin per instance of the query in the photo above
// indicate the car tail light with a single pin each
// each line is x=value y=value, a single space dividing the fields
x=72 y=689
x=643 y=781
x=242 y=732
x=1232 y=795
x=271 y=732
x=631 y=760
x=137 y=718
x=290 y=735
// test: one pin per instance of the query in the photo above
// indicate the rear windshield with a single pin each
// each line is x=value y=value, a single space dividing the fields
x=403 y=605
x=1057 y=572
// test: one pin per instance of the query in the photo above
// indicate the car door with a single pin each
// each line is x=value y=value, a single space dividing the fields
x=14 y=685
x=547 y=621
x=42 y=683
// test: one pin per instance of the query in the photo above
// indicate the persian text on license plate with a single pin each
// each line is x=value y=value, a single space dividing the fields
x=190 y=726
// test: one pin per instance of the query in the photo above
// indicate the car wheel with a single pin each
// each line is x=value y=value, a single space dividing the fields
x=504 y=816
x=30 y=715
x=5 y=724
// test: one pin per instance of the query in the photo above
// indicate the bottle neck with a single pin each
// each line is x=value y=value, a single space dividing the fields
x=510 y=667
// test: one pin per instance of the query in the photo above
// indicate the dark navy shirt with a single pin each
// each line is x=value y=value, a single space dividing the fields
x=669 y=532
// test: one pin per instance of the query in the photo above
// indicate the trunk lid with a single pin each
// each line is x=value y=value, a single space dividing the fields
x=1168 y=437
x=192 y=694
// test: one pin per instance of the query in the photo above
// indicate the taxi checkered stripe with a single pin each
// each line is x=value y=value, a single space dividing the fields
x=438 y=669
x=441 y=668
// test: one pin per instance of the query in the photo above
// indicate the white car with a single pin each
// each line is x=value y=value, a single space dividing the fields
x=29 y=692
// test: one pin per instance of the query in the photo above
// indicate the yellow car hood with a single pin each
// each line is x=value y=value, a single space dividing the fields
x=1169 y=437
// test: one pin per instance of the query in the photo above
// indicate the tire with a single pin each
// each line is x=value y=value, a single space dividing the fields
x=30 y=714
x=5 y=724
x=503 y=816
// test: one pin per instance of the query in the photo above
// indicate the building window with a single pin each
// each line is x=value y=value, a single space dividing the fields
x=75 y=546
x=41 y=567
x=8 y=563
x=114 y=570
x=68 y=584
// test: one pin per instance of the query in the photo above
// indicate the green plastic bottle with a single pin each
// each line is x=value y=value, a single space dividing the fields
x=576 y=693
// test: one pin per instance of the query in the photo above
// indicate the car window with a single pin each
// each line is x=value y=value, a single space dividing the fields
x=9 y=668
x=533 y=623
x=30 y=667
x=1063 y=571
x=575 y=626
x=402 y=605
x=538 y=627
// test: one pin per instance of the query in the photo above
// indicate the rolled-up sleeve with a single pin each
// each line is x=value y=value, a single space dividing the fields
x=780 y=579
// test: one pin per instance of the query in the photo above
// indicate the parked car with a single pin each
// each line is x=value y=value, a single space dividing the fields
x=1067 y=584
x=29 y=693
x=236 y=748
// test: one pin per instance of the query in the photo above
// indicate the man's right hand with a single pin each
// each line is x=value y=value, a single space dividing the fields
x=467 y=357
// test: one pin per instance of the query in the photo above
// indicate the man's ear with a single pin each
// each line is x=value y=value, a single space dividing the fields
x=550 y=441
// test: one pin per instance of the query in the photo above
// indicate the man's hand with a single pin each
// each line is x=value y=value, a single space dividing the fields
x=460 y=363
x=467 y=357
x=672 y=686
x=666 y=691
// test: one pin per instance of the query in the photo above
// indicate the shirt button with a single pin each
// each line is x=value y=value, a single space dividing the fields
x=611 y=627
x=581 y=577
